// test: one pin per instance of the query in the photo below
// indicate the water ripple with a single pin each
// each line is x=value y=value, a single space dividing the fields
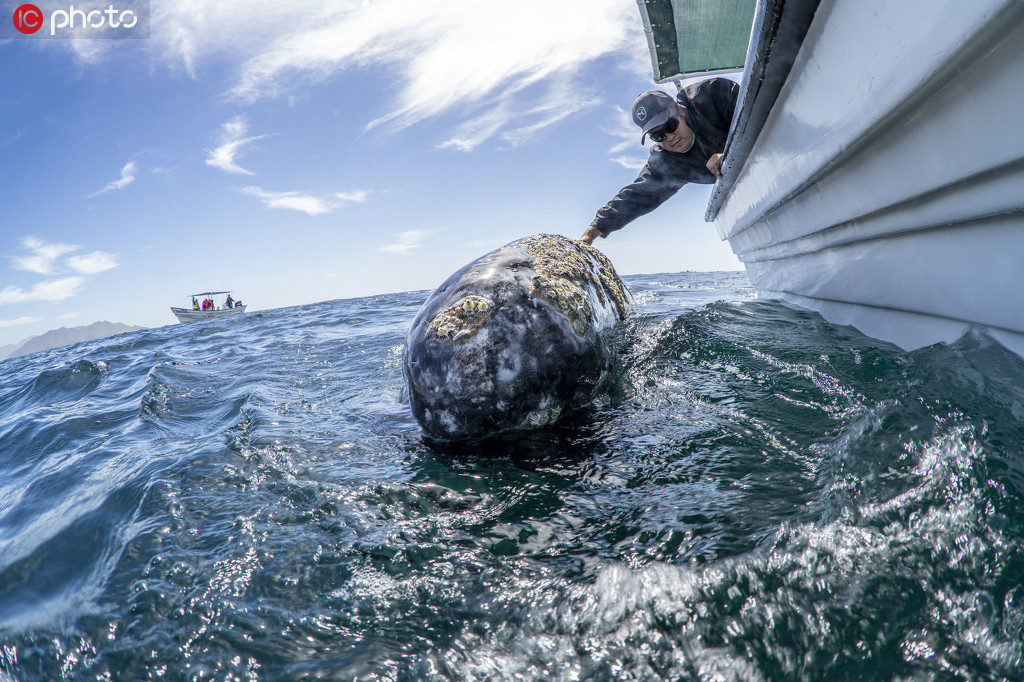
x=761 y=496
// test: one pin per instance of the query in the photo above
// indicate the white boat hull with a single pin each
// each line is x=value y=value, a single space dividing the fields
x=885 y=189
x=190 y=315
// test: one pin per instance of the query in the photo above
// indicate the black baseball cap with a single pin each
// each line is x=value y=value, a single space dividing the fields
x=652 y=110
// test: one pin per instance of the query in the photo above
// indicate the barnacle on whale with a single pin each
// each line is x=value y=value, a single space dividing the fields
x=563 y=268
x=463 y=319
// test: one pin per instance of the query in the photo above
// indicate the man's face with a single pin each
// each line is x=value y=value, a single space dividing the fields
x=680 y=139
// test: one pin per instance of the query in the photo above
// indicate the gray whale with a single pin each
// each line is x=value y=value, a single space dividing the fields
x=514 y=338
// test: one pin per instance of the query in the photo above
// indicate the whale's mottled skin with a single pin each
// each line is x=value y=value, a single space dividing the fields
x=514 y=339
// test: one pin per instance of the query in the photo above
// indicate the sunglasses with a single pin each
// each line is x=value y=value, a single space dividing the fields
x=660 y=134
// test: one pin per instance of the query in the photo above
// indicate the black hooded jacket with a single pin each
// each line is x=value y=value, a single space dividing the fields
x=708 y=107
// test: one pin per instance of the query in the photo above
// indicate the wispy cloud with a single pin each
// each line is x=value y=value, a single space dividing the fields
x=127 y=177
x=66 y=273
x=42 y=258
x=296 y=201
x=19 y=321
x=627 y=152
x=515 y=119
x=500 y=69
x=92 y=263
x=232 y=140
x=356 y=196
x=52 y=290
x=48 y=259
x=304 y=202
x=407 y=241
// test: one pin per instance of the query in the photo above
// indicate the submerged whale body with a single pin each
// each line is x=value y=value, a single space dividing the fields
x=514 y=338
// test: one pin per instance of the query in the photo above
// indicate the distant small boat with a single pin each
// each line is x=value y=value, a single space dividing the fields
x=204 y=307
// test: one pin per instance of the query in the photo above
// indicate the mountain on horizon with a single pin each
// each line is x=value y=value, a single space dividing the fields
x=65 y=336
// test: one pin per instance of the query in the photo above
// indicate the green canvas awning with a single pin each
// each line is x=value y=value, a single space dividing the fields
x=693 y=37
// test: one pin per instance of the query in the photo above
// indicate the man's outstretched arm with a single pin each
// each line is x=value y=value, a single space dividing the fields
x=649 y=191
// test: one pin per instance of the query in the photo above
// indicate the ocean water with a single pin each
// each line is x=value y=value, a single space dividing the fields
x=761 y=496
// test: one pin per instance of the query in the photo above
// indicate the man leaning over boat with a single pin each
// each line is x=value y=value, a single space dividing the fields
x=690 y=131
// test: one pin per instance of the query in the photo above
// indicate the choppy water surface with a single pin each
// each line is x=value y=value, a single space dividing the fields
x=762 y=496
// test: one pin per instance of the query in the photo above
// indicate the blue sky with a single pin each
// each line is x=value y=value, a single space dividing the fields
x=310 y=150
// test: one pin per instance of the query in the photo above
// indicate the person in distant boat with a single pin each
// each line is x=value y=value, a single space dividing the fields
x=690 y=131
x=229 y=303
x=195 y=304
